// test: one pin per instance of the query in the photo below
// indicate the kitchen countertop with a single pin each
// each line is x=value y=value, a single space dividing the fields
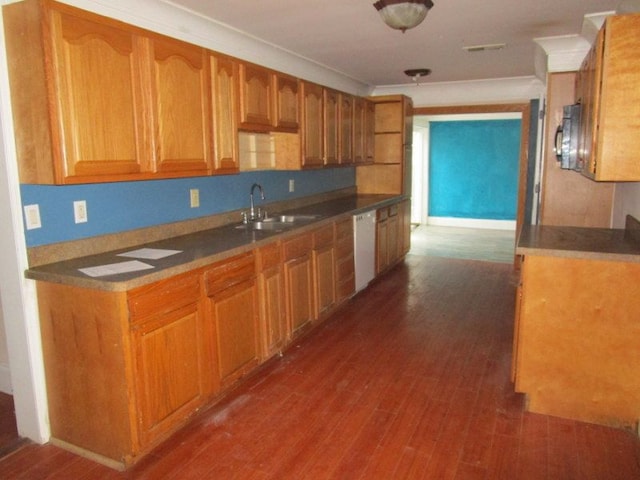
x=577 y=242
x=197 y=249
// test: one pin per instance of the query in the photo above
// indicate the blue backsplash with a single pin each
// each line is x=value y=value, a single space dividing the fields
x=122 y=206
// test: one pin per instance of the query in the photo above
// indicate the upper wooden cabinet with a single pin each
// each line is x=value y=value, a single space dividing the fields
x=390 y=172
x=182 y=106
x=346 y=129
x=256 y=97
x=331 y=127
x=77 y=95
x=607 y=88
x=224 y=74
x=96 y=100
x=286 y=104
x=312 y=131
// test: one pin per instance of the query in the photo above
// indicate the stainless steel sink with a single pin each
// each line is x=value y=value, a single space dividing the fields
x=278 y=222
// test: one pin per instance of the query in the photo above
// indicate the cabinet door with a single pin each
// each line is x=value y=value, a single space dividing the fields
x=324 y=264
x=345 y=267
x=393 y=238
x=369 y=131
x=167 y=370
x=224 y=75
x=331 y=127
x=287 y=104
x=271 y=288
x=312 y=125
x=97 y=85
x=358 y=130
x=256 y=97
x=382 y=245
x=346 y=129
x=234 y=314
x=182 y=108
x=299 y=292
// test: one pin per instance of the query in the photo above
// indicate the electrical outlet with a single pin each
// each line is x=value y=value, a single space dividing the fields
x=194 y=195
x=292 y=185
x=80 y=211
x=32 y=216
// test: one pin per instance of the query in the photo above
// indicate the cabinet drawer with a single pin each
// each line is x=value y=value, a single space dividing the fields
x=382 y=214
x=323 y=236
x=268 y=256
x=296 y=247
x=229 y=272
x=164 y=296
x=344 y=248
x=345 y=267
x=344 y=229
x=393 y=210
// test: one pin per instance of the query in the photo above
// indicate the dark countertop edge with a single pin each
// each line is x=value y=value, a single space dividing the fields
x=43 y=272
x=617 y=245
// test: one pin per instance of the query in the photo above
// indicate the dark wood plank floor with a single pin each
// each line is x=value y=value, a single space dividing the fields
x=409 y=380
x=9 y=439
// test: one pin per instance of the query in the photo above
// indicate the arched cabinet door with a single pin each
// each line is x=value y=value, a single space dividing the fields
x=181 y=107
x=97 y=124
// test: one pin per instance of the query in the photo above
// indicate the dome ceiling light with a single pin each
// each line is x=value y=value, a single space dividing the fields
x=403 y=15
x=417 y=73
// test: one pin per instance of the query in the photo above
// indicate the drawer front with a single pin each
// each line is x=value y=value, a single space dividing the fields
x=344 y=248
x=229 y=272
x=393 y=210
x=268 y=256
x=323 y=236
x=382 y=214
x=164 y=296
x=345 y=268
x=296 y=247
x=344 y=229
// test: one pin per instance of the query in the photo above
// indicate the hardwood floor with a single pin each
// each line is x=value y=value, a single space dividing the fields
x=9 y=439
x=409 y=380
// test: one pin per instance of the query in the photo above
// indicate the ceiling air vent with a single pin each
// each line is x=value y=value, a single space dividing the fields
x=482 y=48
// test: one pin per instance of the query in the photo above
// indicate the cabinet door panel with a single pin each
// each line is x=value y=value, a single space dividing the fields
x=224 y=74
x=313 y=125
x=346 y=129
x=234 y=312
x=256 y=97
x=325 y=279
x=331 y=127
x=274 y=318
x=287 y=104
x=182 y=108
x=167 y=370
x=299 y=288
x=98 y=86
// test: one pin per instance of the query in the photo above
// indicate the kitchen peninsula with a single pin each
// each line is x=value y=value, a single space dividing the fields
x=577 y=327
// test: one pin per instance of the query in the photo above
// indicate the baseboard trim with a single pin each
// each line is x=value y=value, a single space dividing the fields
x=472 y=223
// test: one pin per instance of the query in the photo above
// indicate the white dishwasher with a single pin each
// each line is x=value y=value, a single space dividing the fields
x=364 y=248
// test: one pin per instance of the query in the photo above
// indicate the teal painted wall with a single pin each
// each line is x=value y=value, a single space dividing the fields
x=473 y=169
x=122 y=206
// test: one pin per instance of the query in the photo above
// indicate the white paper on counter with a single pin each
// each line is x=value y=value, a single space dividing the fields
x=115 y=268
x=149 y=253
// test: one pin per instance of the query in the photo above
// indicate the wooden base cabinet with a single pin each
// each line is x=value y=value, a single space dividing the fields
x=232 y=314
x=576 y=339
x=271 y=286
x=298 y=275
x=345 y=266
x=324 y=270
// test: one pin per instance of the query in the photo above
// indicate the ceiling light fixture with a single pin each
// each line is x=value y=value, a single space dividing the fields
x=403 y=15
x=482 y=48
x=417 y=73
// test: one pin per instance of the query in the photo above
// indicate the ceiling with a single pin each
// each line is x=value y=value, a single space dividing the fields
x=350 y=37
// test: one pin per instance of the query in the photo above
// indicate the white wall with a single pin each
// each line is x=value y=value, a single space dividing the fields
x=626 y=201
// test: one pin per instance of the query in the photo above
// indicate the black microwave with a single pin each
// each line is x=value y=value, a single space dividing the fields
x=566 y=141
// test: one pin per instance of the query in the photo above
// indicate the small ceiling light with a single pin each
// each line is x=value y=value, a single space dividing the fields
x=482 y=48
x=417 y=73
x=403 y=15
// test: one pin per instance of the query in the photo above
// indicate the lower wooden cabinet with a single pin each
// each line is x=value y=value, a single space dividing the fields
x=232 y=313
x=298 y=275
x=271 y=288
x=393 y=234
x=124 y=370
x=324 y=270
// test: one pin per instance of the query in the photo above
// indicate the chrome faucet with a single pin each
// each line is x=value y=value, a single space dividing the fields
x=252 y=212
